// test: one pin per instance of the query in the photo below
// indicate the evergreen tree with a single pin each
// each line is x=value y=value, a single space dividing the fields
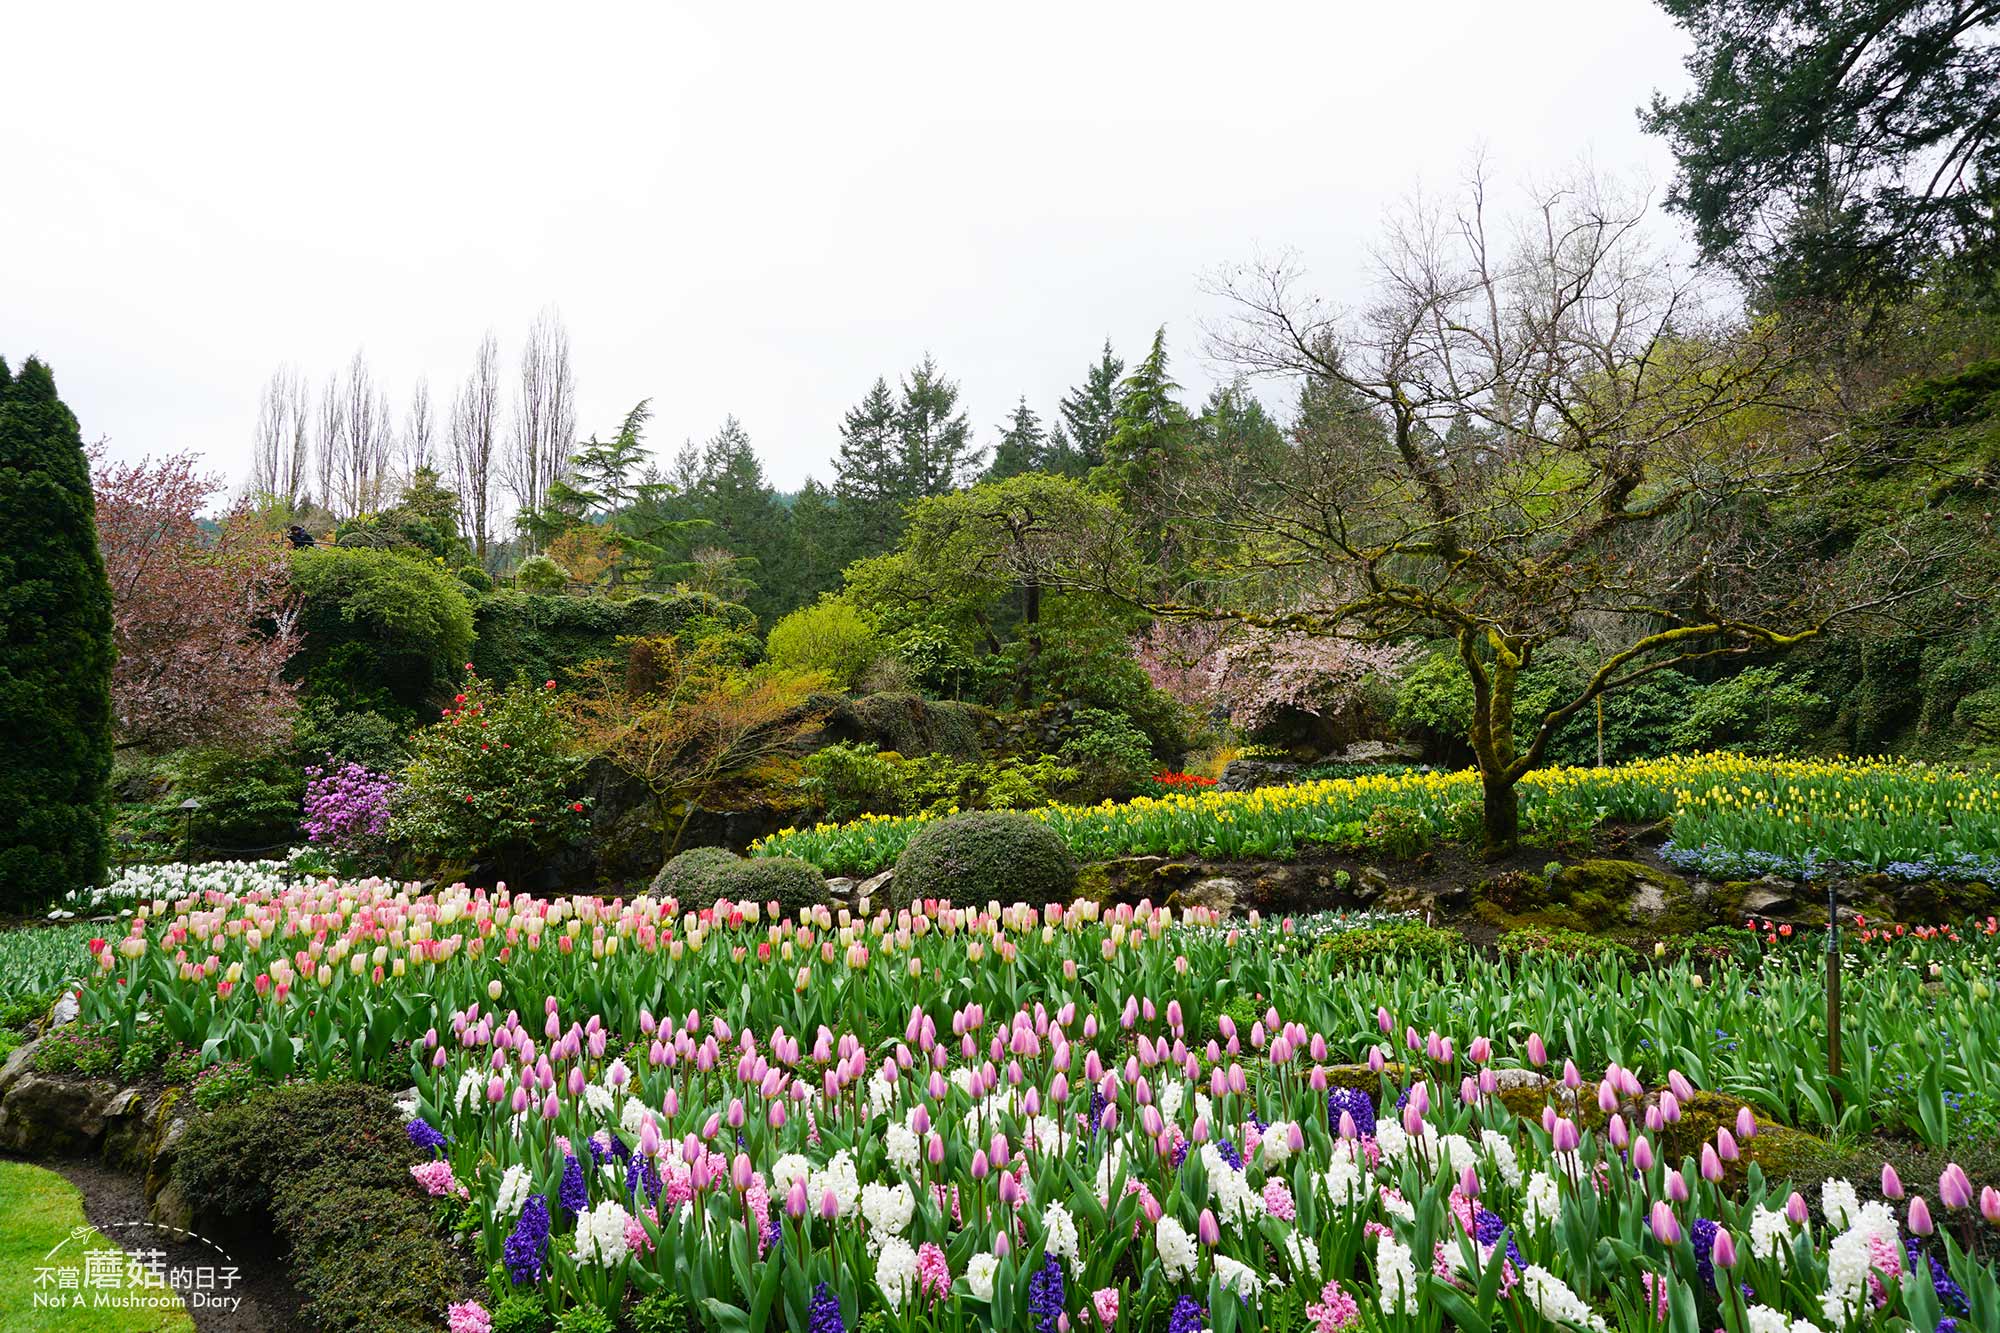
x=55 y=662
x=1023 y=447
x=743 y=514
x=1089 y=412
x=936 y=436
x=868 y=477
x=1152 y=439
x=818 y=544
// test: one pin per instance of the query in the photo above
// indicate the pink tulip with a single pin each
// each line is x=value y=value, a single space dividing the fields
x=1892 y=1184
x=1207 y=1230
x=1795 y=1209
x=1920 y=1217
x=1989 y=1204
x=1724 y=1252
x=1954 y=1188
x=1746 y=1124
x=1538 y=1054
x=1666 y=1227
x=1677 y=1189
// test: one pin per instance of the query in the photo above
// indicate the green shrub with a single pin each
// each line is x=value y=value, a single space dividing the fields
x=248 y=802
x=850 y=778
x=55 y=657
x=325 y=731
x=1722 y=944
x=78 y=1049
x=1526 y=941
x=521 y=1312
x=985 y=855
x=476 y=580
x=528 y=636
x=908 y=724
x=791 y=883
x=1399 y=831
x=382 y=629
x=831 y=636
x=585 y=1319
x=662 y=1312
x=538 y=573
x=1110 y=749
x=495 y=778
x=327 y=1166
x=701 y=875
x=1404 y=940
x=696 y=875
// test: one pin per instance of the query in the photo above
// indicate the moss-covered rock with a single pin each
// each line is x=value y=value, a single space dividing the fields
x=988 y=854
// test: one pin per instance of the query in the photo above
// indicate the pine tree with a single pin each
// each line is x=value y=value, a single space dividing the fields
x=937 y=450
x=1023 y=447
x=869 y=473
x=1089 y=413
x=55 y=662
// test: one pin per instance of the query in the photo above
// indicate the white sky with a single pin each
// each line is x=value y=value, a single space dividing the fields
x=747 y=208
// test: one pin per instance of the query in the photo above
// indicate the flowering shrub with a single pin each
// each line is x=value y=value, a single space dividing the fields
x=1258 y=675
x=346 y=808
x=496 y=776
x=1169 y=780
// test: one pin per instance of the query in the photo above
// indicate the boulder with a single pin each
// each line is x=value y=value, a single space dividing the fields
x=1370 y=883
x=50 y=1117
x=1250 y=774
x=1602 y=889
x=1220 y=894
x=1380 y=752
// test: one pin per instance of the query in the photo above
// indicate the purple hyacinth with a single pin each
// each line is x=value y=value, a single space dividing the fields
x=1189 y=1316
x=528 y=1246
x=1230 y=1154
x=1703 y=1235
x=1950 y=1295
x=641 y=1175
x=424 y=1135
x=1046 y=1296
x=1357 y=1104
x=823 y=1315
x=572 y=1193
x=1489 y=1228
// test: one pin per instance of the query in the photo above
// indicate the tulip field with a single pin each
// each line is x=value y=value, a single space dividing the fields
x=1085 y=1118
x=1733 y=817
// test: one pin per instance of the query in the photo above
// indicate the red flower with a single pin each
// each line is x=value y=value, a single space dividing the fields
x=576 y=806
x=548 y=684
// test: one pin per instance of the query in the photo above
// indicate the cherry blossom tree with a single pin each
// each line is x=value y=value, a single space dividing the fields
x=204 y=619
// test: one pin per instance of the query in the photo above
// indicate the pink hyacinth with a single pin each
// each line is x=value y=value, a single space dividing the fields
x=1278 y=1200
x=437 y=1179
x=933 y=1271
x=1335 y=1309
x=468 y=1317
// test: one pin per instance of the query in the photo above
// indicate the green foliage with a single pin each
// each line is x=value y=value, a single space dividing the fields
x=1110 y=749
x=847 y=779
x=521 y=1312
x=1527 y=941
x=88 y=1051
x=830 y=636
x=538 y=573
x=382 y=629
x=323 y=731
x=495 y=778
x=665 y=1311
x=55 y=658
x=907 y=723
x=986 y=855
x=1397 y=831
x=538 y=638
x=248 y=802
x=1403 y=941
x=585 y=1319
x=1807 y=134
x=1756 y=711
x=328 y=1166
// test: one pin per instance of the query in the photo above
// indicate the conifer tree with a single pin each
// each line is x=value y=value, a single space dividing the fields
x=55 y=660
x=1023 y=445
x=1088 y=413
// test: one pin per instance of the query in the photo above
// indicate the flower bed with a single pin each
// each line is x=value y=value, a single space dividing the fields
x=1063 y=1165
x=1733 y=817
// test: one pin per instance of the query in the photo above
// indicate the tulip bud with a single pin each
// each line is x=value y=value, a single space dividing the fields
x=1892 y=1184
x=1920 y=1217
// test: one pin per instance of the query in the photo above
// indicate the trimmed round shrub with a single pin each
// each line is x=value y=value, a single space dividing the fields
x=696 y=875
x=987 y=854
x=538 y=573
x=791 y=883
x=383 y=629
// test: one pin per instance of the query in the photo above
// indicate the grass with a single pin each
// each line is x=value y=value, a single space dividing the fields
x=43 y=1226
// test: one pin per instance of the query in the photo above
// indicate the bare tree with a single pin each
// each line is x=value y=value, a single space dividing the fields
x=1529 y=435
x=420 y=430
x=278 y=469
x=475 y=429
x=544 y=428
x=365 y=441
x=329 y=439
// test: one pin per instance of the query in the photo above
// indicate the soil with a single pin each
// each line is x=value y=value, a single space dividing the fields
x=115 y=1203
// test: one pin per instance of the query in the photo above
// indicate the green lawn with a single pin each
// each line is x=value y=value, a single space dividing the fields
x=44 y=1213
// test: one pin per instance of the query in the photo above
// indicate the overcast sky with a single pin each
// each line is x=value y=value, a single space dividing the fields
x=736 y=208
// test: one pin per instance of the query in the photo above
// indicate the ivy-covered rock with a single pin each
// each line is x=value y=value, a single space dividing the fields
x=987 y=854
